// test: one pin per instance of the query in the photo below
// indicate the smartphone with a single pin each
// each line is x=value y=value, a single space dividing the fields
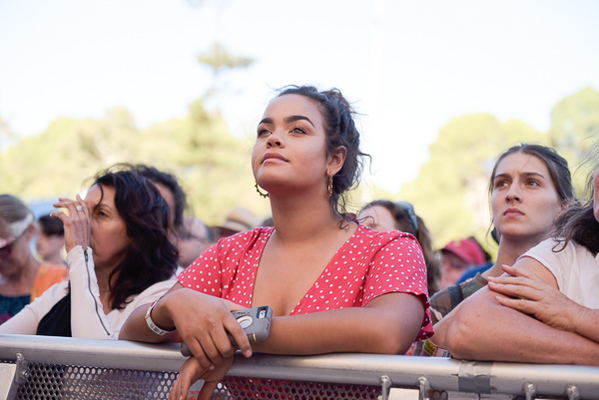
x=254 y=321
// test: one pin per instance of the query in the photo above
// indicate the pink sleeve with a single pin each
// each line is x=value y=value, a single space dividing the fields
x=399 y=267
x=204 y=274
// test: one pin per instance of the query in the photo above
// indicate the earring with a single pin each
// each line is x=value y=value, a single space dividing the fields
x=265 y=195
x=330 y=186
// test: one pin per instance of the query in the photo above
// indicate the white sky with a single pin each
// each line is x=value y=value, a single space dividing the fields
x=409 y=67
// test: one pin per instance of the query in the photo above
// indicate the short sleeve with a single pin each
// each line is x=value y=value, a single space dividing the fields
x=558 y=263
x=399 y=266
x=204 y=274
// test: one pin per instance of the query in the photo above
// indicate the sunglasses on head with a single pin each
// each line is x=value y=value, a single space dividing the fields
x=6 y=250
x=409 y=209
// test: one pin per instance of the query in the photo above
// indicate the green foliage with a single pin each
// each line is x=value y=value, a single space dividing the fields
x=220 y=59
x=574 y=128
x=451 y=191
x=211 y=165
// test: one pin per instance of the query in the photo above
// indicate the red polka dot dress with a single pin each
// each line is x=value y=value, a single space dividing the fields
x=368 y=264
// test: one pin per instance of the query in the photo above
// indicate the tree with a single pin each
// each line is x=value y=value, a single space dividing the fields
x=219 y=60
x=450 y=193
x=574 y=128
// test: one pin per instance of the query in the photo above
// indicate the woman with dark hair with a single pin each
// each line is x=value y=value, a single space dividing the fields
x=546 y=308
x=385 y=215
x=333 y=285
x=119 y=257
x=530 y=185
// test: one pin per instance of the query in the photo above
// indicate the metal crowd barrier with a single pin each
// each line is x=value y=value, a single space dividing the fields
x=42 y=367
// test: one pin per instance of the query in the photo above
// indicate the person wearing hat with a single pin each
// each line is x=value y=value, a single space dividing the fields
x=458 y=257
x=238 y=220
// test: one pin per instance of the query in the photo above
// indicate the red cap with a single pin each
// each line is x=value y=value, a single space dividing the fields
x=467 y=249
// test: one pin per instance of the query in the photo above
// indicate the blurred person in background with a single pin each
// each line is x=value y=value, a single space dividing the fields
x=170 y=189
x=49 y=242
x=119 y=255
x=22 y=277
x=238 y=220
x=194 y=238
x=386 y=215
x=460 y=256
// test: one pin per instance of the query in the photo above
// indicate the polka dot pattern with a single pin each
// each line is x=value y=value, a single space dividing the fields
x=368 y=265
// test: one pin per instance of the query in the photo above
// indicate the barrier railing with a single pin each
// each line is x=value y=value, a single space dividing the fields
x=42 y=367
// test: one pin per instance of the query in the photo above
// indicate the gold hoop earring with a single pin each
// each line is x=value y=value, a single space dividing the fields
x=330 y=186
x=265 y=195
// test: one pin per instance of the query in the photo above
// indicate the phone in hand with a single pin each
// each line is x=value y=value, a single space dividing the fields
x=255 y=322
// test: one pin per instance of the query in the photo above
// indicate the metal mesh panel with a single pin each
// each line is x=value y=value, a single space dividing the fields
x=241 y=388
x=58 y=382
x=54 y=382
x=51 y=381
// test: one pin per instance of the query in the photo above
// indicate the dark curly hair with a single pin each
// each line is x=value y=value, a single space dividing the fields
x=579 y=223
x=340 y=130
x=152 y=257
x=170 y=182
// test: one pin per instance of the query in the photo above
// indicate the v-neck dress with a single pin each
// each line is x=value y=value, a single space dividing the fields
x=369 y=264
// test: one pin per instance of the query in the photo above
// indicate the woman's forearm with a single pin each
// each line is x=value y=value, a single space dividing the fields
x=388 y=325
x=482 y=329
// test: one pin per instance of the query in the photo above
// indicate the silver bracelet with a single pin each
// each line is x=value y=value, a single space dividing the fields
x=155 y=328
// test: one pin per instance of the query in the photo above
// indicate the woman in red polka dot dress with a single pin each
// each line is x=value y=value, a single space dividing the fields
x=333 y=285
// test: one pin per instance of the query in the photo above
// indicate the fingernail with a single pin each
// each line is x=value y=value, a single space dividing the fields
x=248 y=353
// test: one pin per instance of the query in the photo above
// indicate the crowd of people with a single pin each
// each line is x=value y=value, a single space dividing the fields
x=127 y=261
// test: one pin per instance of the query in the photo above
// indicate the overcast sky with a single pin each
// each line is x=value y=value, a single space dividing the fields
x=408 y=67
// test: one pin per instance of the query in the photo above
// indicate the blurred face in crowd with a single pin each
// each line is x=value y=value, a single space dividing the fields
x=192 y=241
x=453 y=267
x=48 y=246
x=378 y=218
x=15 y=253
x=169 y=198
x=524 y=199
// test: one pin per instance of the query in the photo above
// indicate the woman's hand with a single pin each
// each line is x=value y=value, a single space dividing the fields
x=191 y=371
x=77 y=223
x=203 y=322
x=534 y=297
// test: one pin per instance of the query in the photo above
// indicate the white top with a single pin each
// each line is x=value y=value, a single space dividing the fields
x=574 y=268
x=88 y=320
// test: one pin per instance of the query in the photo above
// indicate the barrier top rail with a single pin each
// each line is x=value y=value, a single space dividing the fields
x=442 y=374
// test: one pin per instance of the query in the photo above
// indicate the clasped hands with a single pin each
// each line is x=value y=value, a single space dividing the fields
x=525 y=292
x=203 y=327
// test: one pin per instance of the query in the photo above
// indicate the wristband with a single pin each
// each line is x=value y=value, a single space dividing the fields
x=432 y=350
x=155 y=328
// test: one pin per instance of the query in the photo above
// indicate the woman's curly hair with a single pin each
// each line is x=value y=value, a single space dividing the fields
x=340 y=130
x=152 y=257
